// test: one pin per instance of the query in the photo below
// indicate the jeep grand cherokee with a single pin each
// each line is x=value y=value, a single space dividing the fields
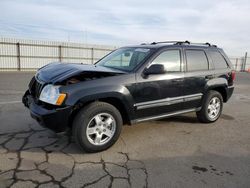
x=131 y=84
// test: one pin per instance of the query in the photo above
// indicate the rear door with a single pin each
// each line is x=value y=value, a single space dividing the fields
x=197 y=72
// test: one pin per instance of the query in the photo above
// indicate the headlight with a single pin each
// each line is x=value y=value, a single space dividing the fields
x=50 y=94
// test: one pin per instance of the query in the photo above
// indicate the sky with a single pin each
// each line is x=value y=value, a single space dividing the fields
x=225 y=23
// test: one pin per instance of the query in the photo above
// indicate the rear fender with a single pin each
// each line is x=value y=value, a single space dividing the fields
x=217 y=84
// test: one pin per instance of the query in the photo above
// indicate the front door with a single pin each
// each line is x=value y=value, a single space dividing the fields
x=159 y=94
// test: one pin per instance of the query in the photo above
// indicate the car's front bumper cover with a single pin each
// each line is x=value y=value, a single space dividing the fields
x=56 y=119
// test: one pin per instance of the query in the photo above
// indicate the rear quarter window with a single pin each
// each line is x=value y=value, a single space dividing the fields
x=196 y=60
x=218 y=60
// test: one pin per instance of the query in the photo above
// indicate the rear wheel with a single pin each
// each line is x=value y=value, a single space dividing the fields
x=211 y=108
x=97 y=126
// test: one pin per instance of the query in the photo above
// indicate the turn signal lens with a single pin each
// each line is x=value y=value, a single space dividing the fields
x=61 y=98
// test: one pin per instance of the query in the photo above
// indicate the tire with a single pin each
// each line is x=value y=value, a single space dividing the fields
x=93 y=123
x=206 y=115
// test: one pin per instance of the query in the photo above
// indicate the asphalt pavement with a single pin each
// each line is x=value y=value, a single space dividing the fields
x=173 y=152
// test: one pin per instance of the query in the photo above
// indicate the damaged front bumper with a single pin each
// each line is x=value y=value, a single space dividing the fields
x=56 y=119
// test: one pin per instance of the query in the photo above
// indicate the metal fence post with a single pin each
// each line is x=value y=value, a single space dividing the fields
x=18 y=56
x=60 y=52
x=241 y=64
x=236 y=64
x=92 y=55
x=245 y=61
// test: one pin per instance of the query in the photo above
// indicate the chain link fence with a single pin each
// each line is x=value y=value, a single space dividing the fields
x=240 y=63
x=22 y=54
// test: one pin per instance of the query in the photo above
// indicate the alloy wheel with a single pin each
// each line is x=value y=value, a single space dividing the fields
x=214 y=108
x=101 y=129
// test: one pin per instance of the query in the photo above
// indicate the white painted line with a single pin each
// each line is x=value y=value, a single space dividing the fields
x=10 y=102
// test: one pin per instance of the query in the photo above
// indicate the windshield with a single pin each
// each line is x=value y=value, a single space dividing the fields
x=124 y=58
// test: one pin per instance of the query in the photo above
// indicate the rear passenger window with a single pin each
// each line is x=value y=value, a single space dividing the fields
x=196 y=60
x=218 y=59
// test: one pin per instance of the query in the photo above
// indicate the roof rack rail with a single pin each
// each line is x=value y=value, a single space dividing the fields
x=206 y=44
x=162 y=42
x=180 y=43
x=168 y=42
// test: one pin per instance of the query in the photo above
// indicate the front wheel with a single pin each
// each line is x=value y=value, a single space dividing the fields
x=97 y=127
x=211 y=108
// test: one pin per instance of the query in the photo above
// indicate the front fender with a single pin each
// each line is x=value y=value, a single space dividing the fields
x=119 y=92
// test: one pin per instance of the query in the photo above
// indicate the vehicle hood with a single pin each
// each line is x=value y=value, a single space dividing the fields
x=58 y=72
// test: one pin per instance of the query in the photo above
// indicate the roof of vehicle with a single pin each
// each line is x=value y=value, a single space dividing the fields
x=164 y=44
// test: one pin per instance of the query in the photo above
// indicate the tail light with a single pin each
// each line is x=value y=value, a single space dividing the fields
x=233 y=75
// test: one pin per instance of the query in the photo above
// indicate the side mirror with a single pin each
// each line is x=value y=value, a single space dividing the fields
x=155 y=69
x=127 y=54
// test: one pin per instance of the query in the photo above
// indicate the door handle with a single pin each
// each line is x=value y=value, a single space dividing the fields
x=176 y=80
x=209 y=77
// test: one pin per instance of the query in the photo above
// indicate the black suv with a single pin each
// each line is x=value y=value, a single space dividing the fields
x=131 y=84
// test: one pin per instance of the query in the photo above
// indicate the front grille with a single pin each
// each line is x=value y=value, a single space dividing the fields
x=35 y=87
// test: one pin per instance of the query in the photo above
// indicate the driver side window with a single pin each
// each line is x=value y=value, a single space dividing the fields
x=170 y=59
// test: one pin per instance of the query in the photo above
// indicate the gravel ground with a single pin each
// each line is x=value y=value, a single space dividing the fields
x=173 y=152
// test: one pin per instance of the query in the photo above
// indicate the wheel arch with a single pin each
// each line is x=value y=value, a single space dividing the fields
x=122 y=105
x=222 y=91
x=219 y=85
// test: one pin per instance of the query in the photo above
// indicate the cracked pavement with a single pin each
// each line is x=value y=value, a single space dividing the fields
x=38 y=157
x=173 y=152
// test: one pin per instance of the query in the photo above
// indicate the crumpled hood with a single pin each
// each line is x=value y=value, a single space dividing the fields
x=58 y=72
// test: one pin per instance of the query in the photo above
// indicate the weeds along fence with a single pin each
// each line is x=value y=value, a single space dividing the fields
x=24 y=54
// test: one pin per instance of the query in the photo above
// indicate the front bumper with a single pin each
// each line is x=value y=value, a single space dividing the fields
x=56 y=119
